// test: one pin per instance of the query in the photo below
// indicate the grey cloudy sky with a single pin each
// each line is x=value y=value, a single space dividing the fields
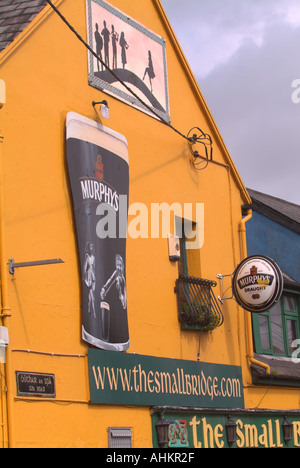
x=245 y=55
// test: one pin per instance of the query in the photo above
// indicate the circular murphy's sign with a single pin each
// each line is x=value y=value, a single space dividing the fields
x=257 y=283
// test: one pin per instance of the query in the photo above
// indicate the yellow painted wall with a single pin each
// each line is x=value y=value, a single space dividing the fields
x=47 y=77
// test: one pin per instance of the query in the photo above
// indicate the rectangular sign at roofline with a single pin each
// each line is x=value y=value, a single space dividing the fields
x=131 y=63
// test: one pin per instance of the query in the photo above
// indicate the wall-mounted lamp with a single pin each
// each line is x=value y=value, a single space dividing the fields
x=230 y=431
x=104 y=109
x=162 y=431
x=287 y=429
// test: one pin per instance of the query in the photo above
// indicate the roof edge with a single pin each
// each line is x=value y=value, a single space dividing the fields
x=278 y=215
x=30 y=28
x=45 y=12
x=202 y=101
x=275 y=215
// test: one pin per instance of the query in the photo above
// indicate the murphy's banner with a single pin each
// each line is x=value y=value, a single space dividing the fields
x=134 y=379
x=98 y=168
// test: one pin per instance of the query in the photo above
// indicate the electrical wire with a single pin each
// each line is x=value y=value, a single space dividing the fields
x=45 y=353
x=114 y=74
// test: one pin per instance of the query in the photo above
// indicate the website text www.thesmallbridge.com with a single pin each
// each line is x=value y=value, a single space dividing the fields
x=177 y=383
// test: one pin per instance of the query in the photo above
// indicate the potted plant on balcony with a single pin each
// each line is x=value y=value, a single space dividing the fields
x=198 y=316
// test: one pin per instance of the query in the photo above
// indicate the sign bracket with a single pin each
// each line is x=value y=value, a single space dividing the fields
x=13 y=265
x=223 y=298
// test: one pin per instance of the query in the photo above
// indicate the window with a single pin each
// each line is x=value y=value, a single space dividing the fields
x=189 y=263
x=198 y=308
x=183 y=263
x=276 y=330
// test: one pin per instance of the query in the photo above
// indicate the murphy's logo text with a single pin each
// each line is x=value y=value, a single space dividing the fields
x=255 y=278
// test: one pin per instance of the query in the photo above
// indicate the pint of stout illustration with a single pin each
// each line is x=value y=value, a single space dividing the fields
x=98 y=167
x=104 y=320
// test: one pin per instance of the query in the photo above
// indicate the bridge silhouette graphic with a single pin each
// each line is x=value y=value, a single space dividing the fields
x=129 y=77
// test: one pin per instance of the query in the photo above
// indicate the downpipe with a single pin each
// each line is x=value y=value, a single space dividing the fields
x=7 y=398
x=250 y=355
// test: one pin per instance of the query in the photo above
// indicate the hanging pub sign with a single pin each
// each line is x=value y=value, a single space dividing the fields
x=128 y=53
x=257 y=283
x=98 y=167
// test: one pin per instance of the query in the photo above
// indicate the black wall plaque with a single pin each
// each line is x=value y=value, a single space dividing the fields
x=35 y=384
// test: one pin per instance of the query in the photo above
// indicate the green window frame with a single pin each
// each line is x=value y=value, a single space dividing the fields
x=183 y=268
x=275 y=330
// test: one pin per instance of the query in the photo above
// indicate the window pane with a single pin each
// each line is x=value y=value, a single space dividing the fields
x=264 y=332
x=277 y=329
x=182 y=263
x=289 y=303
x=292 y=334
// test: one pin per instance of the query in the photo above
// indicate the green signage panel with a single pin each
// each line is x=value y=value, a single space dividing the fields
x=134 y=379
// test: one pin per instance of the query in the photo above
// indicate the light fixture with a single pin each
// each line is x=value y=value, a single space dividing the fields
x=104 y=109
x=230 y=431
x=162 y=431
x=287 y=428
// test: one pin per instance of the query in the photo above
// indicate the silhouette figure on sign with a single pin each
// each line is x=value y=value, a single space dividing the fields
x=124 y=47
x=114 y=39
x=105 y=33
x=149 y=70
x=99 y=46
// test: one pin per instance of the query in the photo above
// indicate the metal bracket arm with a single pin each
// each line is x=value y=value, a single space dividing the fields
x=223 y=298
x=13 y=265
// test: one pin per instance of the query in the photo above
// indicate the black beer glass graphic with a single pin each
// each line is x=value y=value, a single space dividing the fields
x=98 y=167
x=104 y=320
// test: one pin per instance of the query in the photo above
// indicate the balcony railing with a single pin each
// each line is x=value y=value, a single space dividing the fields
x=198 y=307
